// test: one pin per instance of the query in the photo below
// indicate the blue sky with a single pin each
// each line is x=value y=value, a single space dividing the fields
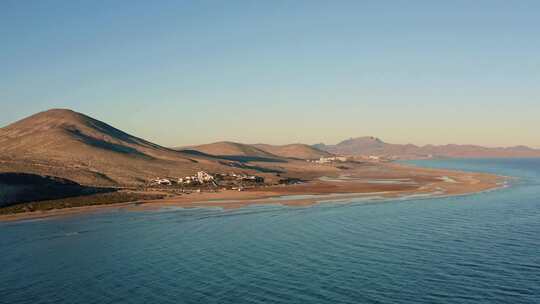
x=189 y=72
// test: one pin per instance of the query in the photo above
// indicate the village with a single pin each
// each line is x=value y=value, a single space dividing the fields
x=344 y=159
x=207 y=181
x=329 y=160
x=204 y=181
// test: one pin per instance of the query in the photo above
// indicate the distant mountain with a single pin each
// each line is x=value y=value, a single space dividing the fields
x=353 y=145
x=374 y=146
x=298 y=151
x=71 y=145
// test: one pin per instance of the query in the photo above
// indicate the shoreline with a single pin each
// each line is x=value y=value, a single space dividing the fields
x=397 y=181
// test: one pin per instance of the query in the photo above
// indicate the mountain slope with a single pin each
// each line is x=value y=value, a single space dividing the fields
x=374 y=146
x=299 y=151
x=52 y=131
x=227 y=148
x=260 y=151
x=71 y=145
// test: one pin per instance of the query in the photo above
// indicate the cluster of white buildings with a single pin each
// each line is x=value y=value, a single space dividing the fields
x=200 y=178
x=343 y=159
x=328 y=160
x=203 y=177
x=373 y=158
x=161 y=181
x=245 y=177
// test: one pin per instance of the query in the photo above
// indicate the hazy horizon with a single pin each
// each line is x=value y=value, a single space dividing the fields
x=260 y=142
x=281 y=72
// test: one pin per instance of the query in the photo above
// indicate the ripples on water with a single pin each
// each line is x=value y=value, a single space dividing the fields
x=482 y=248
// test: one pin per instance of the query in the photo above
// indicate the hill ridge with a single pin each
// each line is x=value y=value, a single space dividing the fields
x=369 y=145
x=72 y=145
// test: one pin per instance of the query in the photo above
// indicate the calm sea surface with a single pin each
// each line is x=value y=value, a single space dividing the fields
x=482 y=248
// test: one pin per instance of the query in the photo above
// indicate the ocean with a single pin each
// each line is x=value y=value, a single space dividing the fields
x=480 y=248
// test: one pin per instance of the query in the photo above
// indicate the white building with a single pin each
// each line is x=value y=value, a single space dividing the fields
x=326 y=160
x=162 y=181
x=204 y=177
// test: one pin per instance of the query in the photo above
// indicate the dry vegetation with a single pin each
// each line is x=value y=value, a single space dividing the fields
x=79 y=201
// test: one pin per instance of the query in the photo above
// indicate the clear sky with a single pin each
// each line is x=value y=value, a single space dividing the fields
x=190 y=72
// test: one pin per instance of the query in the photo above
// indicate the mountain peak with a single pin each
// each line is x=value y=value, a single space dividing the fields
x=63 y=129
x=59 y=110
x=58 y=113
x=51 y=118
x=362 y=140
x=68 y=144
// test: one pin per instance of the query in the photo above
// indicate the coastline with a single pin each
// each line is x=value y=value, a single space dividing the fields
x=396 y=181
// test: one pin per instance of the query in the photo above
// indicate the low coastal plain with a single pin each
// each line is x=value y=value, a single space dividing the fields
x=370 y=181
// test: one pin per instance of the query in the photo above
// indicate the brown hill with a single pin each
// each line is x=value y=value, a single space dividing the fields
x=374 y=146
x=287 y=161
x=227 y=148
x=71 y=145
x=298 y=151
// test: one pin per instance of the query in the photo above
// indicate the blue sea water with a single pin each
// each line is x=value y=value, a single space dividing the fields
x=481 y=248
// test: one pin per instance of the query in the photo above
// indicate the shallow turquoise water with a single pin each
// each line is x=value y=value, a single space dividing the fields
x=482 y=248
